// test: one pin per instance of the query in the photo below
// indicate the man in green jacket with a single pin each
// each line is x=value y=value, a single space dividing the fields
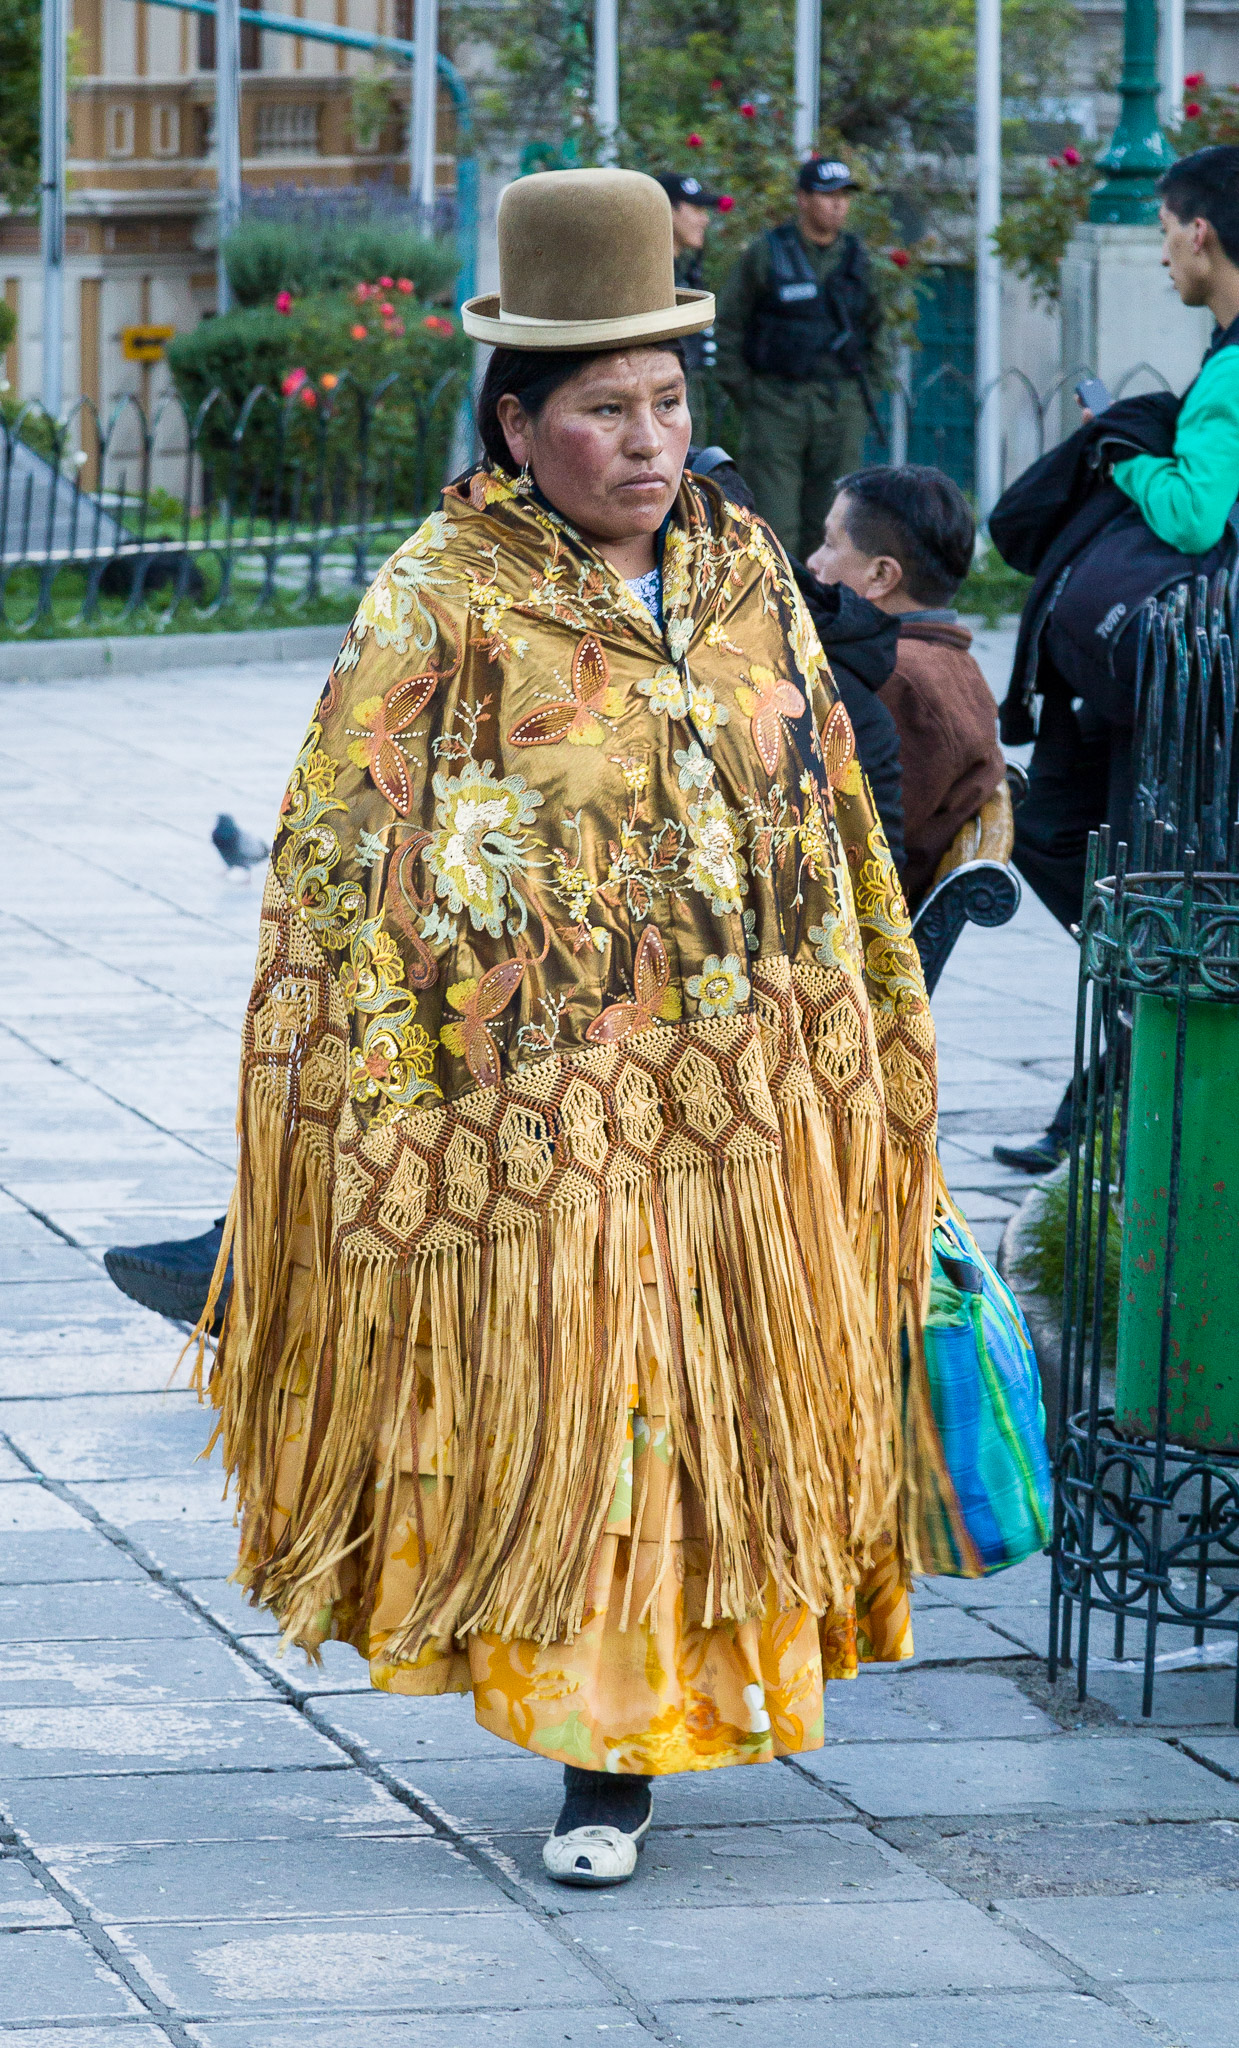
x=797 y=329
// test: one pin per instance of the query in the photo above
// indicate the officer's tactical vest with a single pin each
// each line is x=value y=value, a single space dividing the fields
x=799 y=328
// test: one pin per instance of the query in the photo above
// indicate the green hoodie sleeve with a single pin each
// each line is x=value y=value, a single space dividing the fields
x=1186 y=497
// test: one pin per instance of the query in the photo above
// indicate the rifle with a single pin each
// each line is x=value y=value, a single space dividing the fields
x=848 y=353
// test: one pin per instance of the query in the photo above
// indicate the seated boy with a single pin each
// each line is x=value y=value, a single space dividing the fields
x=903 y=539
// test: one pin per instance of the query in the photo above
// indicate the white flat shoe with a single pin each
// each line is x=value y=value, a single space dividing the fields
x=594 y=1855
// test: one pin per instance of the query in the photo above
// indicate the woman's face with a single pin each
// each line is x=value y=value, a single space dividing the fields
x=608 y=447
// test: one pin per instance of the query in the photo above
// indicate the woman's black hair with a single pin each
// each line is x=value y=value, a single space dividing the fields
x=531 y=375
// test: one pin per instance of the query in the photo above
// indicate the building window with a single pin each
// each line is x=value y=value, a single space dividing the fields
x=118 y=130
x=403 y=25
x=251 y=43
x=165 y=128
x=285 y=130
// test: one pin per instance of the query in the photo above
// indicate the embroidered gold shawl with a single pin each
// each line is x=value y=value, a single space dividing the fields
x=565 y=939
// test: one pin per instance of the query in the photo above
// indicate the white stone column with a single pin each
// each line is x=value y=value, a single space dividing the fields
x=1121 y=313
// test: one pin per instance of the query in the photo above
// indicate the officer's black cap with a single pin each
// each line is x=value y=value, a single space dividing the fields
x=686 y=190
x=821 y=174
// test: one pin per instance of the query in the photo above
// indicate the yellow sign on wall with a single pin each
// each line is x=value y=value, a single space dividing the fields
x=145 y=344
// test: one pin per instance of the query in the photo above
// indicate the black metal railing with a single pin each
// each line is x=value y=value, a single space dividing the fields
x=294 y=496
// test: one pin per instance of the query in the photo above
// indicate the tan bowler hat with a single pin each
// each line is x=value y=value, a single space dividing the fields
x=586 y=260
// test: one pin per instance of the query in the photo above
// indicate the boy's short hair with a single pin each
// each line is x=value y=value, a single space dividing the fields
x=1205 y=186
x=921 y=518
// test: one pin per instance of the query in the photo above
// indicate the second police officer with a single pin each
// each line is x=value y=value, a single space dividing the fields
x=797 y=338
x=691 y=207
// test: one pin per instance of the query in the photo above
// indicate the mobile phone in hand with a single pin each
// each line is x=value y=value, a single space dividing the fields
x=1093 y=395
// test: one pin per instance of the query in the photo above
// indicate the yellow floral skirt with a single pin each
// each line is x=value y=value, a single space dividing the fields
x=645 y=1686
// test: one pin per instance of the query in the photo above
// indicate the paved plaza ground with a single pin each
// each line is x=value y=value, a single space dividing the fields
x=203 y=1844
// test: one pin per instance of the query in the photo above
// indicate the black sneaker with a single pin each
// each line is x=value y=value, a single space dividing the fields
x=174 y=1278
x=1045 y=1153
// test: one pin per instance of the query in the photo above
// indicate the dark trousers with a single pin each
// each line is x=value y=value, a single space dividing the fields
x=1079 y=778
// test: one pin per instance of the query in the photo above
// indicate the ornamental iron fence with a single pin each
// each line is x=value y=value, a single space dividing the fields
x=1146 y=1527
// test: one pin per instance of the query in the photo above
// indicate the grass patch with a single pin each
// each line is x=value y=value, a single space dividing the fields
x=1043 y=1259
x=992 y=590
x=112 y=617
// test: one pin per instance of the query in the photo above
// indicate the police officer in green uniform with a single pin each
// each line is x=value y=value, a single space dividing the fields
x=691 y=207
x=797 y=334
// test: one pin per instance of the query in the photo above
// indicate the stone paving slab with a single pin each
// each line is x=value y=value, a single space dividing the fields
x=56 y=1976
x=43 y=1557
x=54 y=1264
x=946 y=1635
x=501 y=1797
x=109 y=1436
x=743 y=1952
x=284 y=1804
x=39 y=1742
x=1181 y=1699
x=192 y=1548
x=336 y=1877
x=197 y=1495
x=1197 y=2015
x=547 y=2028
x=228 y=1603
x=1147 y=1940
x=442 y=1730
x=23 y=1903
x=1222 y=1751
x=31 y=1508
x=1115 y=1774
x=1064 y=1856
x=429 y=1962
x=1027 y=2020
x=343 y=1669
x=100 y=1610
x=126 y=1673
x=796 y=1863
x=928 y=1702
x=87 y=2037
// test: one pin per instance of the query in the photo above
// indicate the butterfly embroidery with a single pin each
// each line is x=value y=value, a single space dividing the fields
x=654 y=995
x=582 y=720
x=479 y=1003
x=764 y=707
x=403 y=704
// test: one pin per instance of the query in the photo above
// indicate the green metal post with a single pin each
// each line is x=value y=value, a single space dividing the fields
x=1203 y=1366
x=1138 y=152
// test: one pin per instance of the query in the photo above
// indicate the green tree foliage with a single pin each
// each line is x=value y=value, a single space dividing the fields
x=266 y=256
x=19 y=101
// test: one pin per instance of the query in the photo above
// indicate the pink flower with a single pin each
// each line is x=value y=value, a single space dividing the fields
x=387 y=309
x=694 y=142
x=748 y=110
x=716 y=85
x=1191 y=111
x=308 y=397
x=294 y=381
x=404 y=284
x=359 y=332
x=726 y=203
x=283 y=302
x=434 y=323
x=1056 y=163
x=900 y=258
x=1194 y=80
x=1072 y=157
x=361 y=294
x=387 y=283
x=393 y=326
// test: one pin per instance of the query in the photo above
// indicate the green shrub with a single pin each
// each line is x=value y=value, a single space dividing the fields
x=303 y=257
x=343 y=400
x=1043 y=1256
x=8 y=324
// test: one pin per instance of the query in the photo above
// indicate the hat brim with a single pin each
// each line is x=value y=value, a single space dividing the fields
x=485 y=320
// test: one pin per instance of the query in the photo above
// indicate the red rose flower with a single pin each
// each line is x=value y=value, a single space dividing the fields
x=387 y=283
x=726 y=203
x=361 y=294
x=394 y=326
x=1191 y=111
x=359 y=332
x=716 y=85
x=694 y=142
x=748 y=110
x=900 y=258
x=308 y=397
x=293 y=382
x=1056 y=163
x=404 y=284
x=283 y=302
x=387 y=309
x=1194 y=80
x=1072 y=157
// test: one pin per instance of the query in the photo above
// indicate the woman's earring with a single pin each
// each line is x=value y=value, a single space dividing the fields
x=524 y=482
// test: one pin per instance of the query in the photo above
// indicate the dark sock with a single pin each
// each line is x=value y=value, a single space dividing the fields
x=603 y=1799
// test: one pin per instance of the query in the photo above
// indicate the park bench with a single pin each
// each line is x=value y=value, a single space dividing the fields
x=974 y=882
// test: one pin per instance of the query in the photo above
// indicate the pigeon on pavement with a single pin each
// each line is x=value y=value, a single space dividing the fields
x=238 y=849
